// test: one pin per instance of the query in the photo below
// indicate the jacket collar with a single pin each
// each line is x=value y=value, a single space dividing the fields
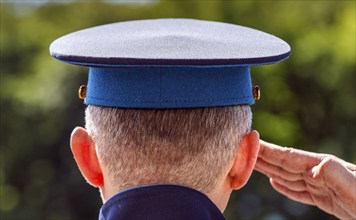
x=160 y=202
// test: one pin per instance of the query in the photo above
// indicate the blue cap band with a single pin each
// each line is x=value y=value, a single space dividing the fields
x=169 y=86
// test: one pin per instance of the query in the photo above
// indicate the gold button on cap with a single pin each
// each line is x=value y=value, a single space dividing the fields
x=256 y=92
x=82 y=92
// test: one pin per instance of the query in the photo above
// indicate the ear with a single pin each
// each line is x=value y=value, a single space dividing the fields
x=83 y=149
x=245 y=160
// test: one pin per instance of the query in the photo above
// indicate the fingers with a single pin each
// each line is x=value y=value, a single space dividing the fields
x=276 y=171
x=299 y=196
x=297 y=186
x=292 y=160
x=341 y=180
x=315 y=179
x=303 y=186
x=336 y=176
x=293 y=181
x=296 y=191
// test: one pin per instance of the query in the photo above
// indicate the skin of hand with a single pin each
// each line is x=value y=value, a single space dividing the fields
x=316 y=179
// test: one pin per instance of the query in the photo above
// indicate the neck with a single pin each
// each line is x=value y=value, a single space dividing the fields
x=220 y=195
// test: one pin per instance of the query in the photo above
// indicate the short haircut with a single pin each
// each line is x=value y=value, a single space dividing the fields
x=190 y=147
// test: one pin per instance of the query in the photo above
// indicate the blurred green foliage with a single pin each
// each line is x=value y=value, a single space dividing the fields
x=308 y=101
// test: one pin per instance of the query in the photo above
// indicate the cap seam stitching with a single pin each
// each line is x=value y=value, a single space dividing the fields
x=195 y=100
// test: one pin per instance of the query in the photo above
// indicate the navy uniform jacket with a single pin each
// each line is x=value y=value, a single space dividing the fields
x=160 y=202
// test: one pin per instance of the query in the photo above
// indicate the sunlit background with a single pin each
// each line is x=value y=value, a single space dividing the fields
x=308 y=101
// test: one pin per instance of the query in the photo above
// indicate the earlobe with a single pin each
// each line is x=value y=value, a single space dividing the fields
x=245 y=160
x=85 y=155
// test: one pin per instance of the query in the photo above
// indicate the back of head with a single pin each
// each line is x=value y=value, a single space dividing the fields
x=155 y=93
x=191 y=147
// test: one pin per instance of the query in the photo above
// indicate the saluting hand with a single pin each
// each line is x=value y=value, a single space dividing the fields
x=322 y=180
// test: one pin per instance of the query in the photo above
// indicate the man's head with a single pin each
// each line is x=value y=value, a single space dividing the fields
x=208 y=149
x=183 y=68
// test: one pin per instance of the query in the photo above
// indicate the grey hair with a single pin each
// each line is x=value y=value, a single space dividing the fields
x=190 y=147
